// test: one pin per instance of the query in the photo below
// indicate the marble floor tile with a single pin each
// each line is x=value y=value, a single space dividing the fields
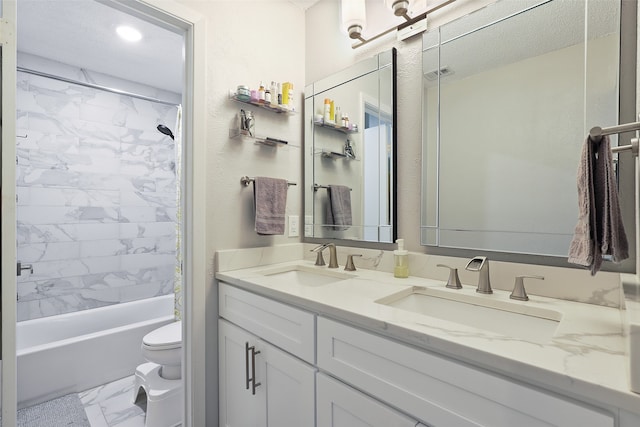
x=110 y=405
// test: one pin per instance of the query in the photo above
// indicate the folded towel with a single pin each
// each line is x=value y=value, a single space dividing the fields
x=339 y=209
x=599 y=231
x=270 y=199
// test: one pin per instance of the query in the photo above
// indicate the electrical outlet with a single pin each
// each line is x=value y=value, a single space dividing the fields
x=308 y=225
x=294 y=225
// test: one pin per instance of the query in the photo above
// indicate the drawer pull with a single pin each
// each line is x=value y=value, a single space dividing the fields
x=250 y=380
x=254 y=385
x=246 y=364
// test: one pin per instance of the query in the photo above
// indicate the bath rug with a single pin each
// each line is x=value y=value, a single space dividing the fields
x=65 y=411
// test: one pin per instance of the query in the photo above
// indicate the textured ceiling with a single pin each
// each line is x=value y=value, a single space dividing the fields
x=82 y=33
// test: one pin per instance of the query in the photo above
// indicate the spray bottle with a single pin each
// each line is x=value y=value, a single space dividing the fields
x=401 y=261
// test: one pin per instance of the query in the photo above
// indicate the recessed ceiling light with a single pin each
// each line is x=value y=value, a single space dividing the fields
x=130 y=34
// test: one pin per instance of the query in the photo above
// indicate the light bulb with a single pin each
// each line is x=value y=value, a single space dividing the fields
x=129 y=34
x=354 y=17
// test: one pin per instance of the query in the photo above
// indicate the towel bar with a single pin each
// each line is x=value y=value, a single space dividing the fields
x=316 y=186
x=246 y=180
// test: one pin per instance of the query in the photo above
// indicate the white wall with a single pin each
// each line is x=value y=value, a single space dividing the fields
x=247 y=41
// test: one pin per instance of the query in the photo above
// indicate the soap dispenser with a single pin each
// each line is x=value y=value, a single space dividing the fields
x=401 y=259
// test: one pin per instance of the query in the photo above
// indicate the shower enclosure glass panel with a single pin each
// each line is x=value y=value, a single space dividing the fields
x=97 y=197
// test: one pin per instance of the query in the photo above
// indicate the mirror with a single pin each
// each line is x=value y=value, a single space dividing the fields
x=350 y=153
x=509 y=95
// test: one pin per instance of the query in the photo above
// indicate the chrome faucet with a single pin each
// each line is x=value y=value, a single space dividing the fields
x=333 y=255
x=481 y=264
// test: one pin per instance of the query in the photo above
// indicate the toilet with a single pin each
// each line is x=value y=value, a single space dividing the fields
x=160 y=376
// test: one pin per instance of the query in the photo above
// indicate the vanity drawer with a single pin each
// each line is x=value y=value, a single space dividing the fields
x=438 y=391
x=289 y=328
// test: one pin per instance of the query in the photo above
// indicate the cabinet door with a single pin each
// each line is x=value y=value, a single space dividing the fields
x=339 y=405
x=288 y=386
x=238 y=406
x=284 y=385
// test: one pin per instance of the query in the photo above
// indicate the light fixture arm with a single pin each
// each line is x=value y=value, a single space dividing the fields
x=410 y=21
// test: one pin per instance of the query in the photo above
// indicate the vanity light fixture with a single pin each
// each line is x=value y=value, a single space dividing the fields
x=129 y=34
x=354 y=17
x=411 y=27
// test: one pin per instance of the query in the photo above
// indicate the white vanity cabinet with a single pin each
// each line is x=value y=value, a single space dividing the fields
x=439 y=391
x=339 y=405
x=261 y=385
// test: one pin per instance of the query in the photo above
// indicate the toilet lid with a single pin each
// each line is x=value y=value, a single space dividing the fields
x=168 y=336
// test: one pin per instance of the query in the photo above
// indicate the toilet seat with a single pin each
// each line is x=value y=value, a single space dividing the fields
x=167 y=337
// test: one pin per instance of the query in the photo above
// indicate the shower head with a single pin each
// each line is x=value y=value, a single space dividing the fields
x=165 y=130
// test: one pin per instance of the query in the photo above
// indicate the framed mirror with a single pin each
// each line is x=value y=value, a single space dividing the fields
x=350 y=137
x=509 y=95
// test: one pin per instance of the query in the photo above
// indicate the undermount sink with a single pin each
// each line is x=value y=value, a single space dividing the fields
x=306 y=276
x=519 y=321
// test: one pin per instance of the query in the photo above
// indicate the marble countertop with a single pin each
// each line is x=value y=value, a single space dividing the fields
x=586 y=359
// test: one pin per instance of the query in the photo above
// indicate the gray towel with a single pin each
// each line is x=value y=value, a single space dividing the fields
x=599 y=231
x=339 y=209
x=270 y=199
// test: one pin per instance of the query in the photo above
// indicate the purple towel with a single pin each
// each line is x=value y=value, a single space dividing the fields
x=270 y=199
x=339 y=208
x=599 y=231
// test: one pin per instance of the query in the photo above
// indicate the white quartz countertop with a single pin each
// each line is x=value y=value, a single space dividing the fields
x=586 y=358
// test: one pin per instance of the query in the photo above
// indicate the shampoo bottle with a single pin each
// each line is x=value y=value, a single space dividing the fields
x=401 y=260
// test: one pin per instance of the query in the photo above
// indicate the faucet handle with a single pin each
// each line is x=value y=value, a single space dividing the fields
x=454 y=281
x=518 y=288
x=319 y=258
x=350 y=266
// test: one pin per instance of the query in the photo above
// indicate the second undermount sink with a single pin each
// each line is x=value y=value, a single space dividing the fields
x=519 y=321
x=306 y=275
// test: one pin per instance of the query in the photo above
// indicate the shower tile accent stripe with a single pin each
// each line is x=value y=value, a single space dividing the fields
x=97 y=190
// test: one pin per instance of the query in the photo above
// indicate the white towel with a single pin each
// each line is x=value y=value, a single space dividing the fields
x=599 y=231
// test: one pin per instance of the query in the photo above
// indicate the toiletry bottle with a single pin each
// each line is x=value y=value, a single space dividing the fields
x=338 y=117
x=261 y=92
x=332 y=112
x=401 y=260
x=274 y=94
x=267 y=96
x=290 y=96
x=327 y=110
x=279 y=94
x=285 y=94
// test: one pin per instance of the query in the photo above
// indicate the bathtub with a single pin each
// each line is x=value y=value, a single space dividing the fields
x=74 y=352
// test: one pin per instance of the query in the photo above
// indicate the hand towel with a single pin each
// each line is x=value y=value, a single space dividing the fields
x=339 y=209
x=270 y=199
x=599 y=231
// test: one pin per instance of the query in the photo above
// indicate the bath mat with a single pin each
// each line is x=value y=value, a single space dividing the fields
x=65 y=411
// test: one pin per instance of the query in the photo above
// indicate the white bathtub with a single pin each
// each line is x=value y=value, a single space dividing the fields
x=74 y=352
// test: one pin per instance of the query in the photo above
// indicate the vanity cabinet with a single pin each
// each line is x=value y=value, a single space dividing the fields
x=437 y=390
x=261 y=385
x=339 y=405
x=261 y=382
x=281 y=366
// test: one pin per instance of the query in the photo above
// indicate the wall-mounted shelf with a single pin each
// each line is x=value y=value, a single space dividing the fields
x=327 y=154
x=281 y=109
x=335 y=127
x=268 y=141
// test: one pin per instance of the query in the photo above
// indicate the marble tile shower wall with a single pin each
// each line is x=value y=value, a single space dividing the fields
x=97 y=202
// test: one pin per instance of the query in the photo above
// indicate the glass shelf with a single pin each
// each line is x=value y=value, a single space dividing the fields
x=271 y=142
x=327 y=154
x=335 y=127
x=264 y=105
